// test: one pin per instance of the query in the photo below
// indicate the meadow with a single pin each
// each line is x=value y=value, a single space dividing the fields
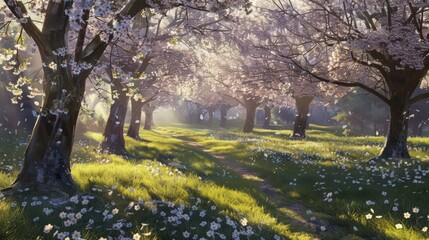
x=172 y=185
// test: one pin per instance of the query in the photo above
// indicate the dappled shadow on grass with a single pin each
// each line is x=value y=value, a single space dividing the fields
x=154 y=181
x=193 y=160
x=335 y=179
x=176 y=154
x=310 y=182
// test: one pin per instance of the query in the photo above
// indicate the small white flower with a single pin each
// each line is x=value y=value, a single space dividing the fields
x=47 y=228
x=407 y=215
x=115 y=211
x=416 y=210
x=76 y=235
x=398 y=226
x=136 y=236
x=425 y=229
x=243 y=222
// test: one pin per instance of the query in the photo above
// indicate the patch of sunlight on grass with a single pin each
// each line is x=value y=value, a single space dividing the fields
x=94 y=136
x=294 y=194
x=153 y=181
x=6 y=179
x=252 y=177
x=330 y=164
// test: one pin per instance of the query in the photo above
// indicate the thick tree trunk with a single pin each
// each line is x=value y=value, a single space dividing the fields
x=301 y=119
x=114 y=142
x=46 y=166
x=148 y=120
x=251 y=104
x=395 y=146
x=267 y=119
x=224 y=115
x=136 y=113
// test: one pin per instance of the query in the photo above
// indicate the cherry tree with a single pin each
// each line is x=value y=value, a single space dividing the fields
x=387 y=40
x=241 y=70
x=160 y=34
x=149 y=93
x=71 y=37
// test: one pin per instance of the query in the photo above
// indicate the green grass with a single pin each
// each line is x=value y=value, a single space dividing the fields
x=329 y=164
x=166 y=179
x=167 y=188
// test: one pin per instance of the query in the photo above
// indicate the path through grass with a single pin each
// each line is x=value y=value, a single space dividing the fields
x=168 y=189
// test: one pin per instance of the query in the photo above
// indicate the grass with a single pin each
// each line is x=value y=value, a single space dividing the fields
x=330 y=175
x=168 y=189
x=172 y=200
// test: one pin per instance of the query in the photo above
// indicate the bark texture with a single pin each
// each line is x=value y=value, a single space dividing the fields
x=251 y=104
x=114 y=141
x=148 y=108
x=395 y=146
x=302 y=104
x=136 y=113
x=46 y=166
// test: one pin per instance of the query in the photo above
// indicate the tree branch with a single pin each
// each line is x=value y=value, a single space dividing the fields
x=96 y=46
x=340 y=83
x=20 y=12
x=420 y=97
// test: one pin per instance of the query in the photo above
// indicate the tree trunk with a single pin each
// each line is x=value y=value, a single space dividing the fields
x=251 y=103
x=136 y=113
x=267 y=119
x=211 y=111
x=114 y=142
x=46 y=166
x=148 y=120
x=223 y=115
x=301 y=119
x=395 y=146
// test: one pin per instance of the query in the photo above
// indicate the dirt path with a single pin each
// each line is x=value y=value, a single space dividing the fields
x=298 y=211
